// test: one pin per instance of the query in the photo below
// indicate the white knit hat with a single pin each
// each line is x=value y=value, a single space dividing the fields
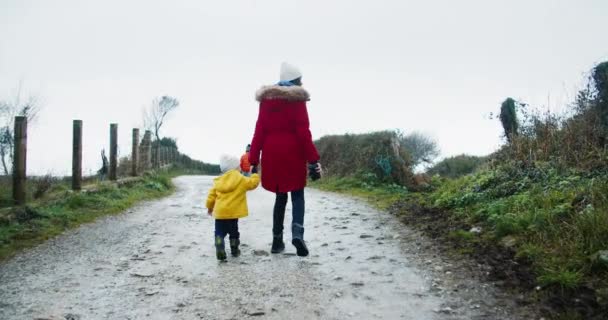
x=228 y=163
x=289 y=72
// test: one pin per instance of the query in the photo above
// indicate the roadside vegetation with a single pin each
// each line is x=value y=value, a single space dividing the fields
x=457 y=166
x=54 y=208
x=536 y=209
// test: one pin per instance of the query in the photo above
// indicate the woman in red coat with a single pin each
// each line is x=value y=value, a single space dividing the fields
x=283 y=138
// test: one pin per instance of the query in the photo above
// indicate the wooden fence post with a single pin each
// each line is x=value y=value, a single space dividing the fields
x=148 y=149
x=157 y=155
x=113 y=150
x=77 y=155
x=161 y=156
x=135 y=152
x=19 y=160
x=145 y=152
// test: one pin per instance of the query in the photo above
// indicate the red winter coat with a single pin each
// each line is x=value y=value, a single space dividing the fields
x=282 y=135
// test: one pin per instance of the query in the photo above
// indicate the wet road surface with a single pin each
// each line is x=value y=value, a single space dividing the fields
x=157 y=261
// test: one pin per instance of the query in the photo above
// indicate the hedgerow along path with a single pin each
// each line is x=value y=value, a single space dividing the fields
x=157 y=261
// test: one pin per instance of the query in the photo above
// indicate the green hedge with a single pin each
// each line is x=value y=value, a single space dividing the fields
x=378 y=153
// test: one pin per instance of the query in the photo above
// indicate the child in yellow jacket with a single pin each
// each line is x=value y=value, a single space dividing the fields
x=227 y=202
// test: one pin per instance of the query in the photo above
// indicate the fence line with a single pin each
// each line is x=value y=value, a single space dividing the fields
x=143 y=156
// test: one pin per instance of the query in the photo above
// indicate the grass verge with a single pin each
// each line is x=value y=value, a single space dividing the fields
x=380 y=195
x=62 y=209
x=544 y=230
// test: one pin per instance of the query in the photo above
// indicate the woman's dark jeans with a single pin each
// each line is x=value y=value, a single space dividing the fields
x=297 y=208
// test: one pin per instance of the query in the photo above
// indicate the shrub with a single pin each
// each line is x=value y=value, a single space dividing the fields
x=123 y=168
x=421 y=148
x=577 y=139
x=379 y=153
x=457 y=166
x=43 y=184
x=508 y=118
x=562 y=277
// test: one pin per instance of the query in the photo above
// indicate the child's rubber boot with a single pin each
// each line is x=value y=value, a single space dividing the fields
x=278 y=245
x=301 y=249
x=220 y=252
x=234 y=247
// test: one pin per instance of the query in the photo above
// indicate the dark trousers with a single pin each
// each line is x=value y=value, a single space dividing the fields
x=297 y=208
x=224 y=227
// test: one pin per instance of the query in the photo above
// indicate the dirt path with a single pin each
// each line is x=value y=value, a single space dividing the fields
x=157 y=262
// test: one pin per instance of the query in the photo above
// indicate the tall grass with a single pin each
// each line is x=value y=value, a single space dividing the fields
x=544 y=194
x=577 y=138
x=61 y=209
x=377 y=192
x=558 y=219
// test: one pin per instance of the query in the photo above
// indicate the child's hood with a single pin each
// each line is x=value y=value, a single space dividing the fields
x=228 y=182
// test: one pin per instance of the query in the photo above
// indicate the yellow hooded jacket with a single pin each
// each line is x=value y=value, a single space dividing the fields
x=228 y=198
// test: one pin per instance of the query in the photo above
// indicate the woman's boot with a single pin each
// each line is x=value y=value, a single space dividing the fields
x=301 y=248
x=278 y=245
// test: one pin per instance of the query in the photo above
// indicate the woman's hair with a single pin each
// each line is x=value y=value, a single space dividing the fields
x=228 y=163
x=297 y=82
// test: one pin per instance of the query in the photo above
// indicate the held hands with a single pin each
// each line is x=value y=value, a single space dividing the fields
x=315 y=171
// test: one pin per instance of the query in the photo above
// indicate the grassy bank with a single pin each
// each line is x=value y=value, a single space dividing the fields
x=379 y=194
x=544 y=229
x=60 y=209
x=556 y=219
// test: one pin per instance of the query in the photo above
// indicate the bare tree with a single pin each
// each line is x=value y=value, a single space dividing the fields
x=422 y=148
x=155 y=116
x=28 y=107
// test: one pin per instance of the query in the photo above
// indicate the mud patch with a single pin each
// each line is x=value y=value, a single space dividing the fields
x=497 y=263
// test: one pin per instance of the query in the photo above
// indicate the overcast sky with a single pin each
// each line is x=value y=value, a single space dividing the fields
x=439 y=67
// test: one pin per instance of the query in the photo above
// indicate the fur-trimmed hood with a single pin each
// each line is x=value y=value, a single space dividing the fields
x=292 y=93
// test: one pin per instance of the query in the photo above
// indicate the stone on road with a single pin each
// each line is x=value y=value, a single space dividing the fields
x=157 y=261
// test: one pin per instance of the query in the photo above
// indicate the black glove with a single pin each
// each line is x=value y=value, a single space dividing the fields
x=314 y=171
x=254 y=169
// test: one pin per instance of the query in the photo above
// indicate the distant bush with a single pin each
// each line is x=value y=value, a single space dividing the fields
x=186 y=165
x=421 y=148
x=577 y=139
x=123 y=168
x=457 y=166
x=6 y=191
x=166 y=142
x=378 y=153
x=43 y=184
x=508 y=118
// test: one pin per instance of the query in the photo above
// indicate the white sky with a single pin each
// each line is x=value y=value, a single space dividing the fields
x=439 y=67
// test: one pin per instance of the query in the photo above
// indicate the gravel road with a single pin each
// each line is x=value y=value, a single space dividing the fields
x=157 y=261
